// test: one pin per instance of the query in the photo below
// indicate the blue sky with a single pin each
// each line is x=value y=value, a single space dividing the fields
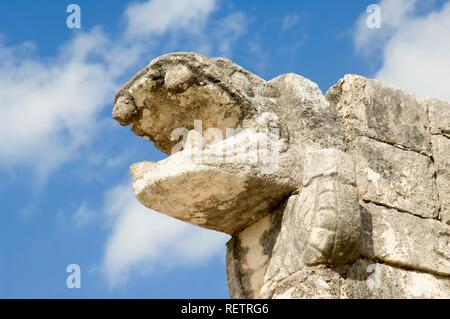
x=64 y=183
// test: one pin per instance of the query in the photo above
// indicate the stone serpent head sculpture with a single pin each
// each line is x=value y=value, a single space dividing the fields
x=290 y=174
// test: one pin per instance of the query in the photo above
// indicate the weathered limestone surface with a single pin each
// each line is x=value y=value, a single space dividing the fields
x=343 y=195
x=405 y=240
x=395 y=178
x=370 y=108
x=367 y=279
x=362 y=279
x=441 y=153
x=439 y=113
x=249 y=253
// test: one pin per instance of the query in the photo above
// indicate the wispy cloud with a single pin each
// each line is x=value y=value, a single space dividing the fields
x=142 y=240
x=158 y=17
x=83 y=215
x=290 y=21
x=229 y=30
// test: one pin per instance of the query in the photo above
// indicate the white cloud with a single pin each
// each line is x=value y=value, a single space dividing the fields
x=160 y=16
x=142 y=239
x=186 y=20
x=416 y=52
x=394 y=14
x=50 y=107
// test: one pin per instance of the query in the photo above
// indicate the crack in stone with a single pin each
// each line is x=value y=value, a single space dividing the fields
x=398 y=146
x=406 y=267
x=403 y=211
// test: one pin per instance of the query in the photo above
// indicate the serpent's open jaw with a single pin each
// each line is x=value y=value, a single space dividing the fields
x=213 y=175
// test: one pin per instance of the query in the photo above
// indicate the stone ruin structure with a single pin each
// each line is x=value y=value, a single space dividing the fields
x=350 y=198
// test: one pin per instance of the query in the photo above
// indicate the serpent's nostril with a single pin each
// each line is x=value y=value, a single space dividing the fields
x=124 y=110
x=178 y=79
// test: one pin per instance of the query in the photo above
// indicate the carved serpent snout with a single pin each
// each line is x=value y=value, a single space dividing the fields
x=164 y=102
x=178 y=89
